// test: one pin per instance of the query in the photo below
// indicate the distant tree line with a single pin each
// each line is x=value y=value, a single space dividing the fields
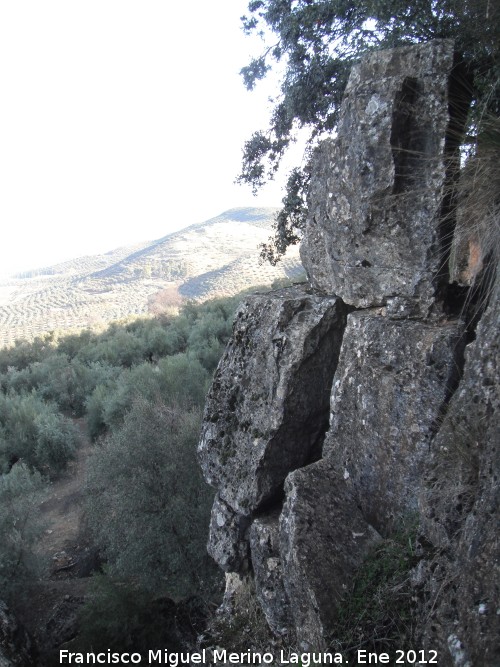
x=166 y=269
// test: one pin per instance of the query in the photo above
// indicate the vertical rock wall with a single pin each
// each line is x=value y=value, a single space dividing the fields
x=267 y=409
x=372 y=234
x=333 y=410
x=389 y=392
x=323 y=540
x=460 y=508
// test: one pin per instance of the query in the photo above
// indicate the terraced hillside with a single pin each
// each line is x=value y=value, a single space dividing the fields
x=214 y=258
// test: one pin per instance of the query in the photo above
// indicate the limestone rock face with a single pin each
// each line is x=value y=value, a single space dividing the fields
x=389 y=391
x=376 y=189
x=328 y=427
x=461 y=507
x=267 y=409
x=323 y=539
x=268 y=572
x=228 y=540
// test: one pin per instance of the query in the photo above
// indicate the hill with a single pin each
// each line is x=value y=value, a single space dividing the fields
x=218 y=257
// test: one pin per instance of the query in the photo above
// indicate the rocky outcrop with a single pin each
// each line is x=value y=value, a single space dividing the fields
x=268 y=406
x=372 y=234
x=267 y=410
x=267 y=567
x=342 y=412
x=390 y=389
x=228 y=541
x=460 y=507
x=323 y=540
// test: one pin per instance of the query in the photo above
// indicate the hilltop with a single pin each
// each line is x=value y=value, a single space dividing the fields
x=218 y=257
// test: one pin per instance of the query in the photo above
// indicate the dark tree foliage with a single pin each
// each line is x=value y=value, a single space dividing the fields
x=21 y=492
x=290 y=219
x=148 y=506
x=35 y=432
x=319 y=40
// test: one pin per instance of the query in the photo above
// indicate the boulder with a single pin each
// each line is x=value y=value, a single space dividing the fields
x=393 y=380
x=375 y=197
x=267 y=410
x=268 y=572
x=323 y=541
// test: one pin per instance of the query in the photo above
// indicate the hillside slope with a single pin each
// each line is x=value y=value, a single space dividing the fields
x=214 y=258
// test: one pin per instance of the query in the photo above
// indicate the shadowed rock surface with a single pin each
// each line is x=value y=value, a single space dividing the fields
x=460 y=508
x=323 y=539
x=268 y=571
x=228 y=538
x=389 y=392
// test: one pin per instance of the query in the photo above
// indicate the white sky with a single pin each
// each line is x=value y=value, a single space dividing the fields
x=120 y=121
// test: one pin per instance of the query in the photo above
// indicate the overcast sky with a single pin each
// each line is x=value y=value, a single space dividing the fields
x=120 y=121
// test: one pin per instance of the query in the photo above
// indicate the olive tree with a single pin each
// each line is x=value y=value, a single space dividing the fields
x=21 y=492
x=148 y=506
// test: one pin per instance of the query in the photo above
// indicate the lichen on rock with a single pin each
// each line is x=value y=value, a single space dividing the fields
x=390 y=389
x=267 y=567
x=460 y=506
x=267 y=410
x=323 y=540
x=372 y=231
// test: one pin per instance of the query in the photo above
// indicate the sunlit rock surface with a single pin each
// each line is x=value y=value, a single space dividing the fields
x=267 y=410
x=388 y=396
x=376 y=189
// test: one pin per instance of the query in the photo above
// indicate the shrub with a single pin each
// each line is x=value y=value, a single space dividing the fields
x=33 y=431
x=147 y=504
x=71 y=344
x=56 y=440
x=179 y=379
x=183 y=380
x=21 y=492
x=58 y=378
x=23 y=353
x=94 y=405
x=121 y=617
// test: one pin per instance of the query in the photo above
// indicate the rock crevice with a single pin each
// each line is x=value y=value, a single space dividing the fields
x=267 y=411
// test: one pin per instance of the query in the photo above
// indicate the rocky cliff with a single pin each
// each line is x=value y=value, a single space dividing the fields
x=364 y=405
